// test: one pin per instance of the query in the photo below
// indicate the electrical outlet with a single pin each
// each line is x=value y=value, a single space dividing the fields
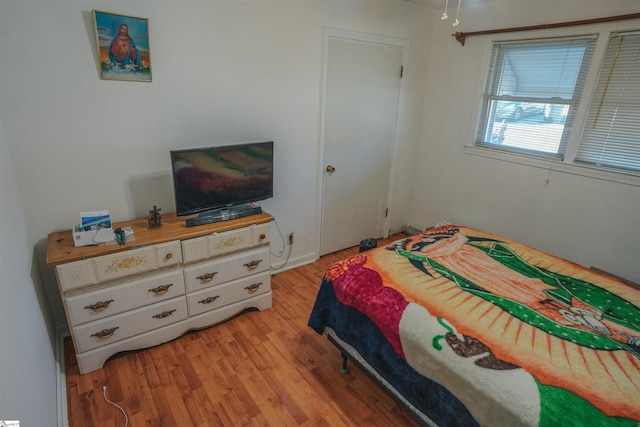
x=291 y=238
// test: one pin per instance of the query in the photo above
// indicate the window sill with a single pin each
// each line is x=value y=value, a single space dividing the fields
x=557 y=166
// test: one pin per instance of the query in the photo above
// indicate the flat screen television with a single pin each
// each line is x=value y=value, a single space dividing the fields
x=214 y=178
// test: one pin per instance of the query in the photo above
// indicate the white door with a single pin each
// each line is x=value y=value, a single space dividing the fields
x=362 y=87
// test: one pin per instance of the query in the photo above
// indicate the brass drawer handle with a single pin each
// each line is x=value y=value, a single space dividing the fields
x=209 y=300
x=254 y=287
x=105 y=333
x=161 y=290
x=253 y=264
x=168 y=256
x=99 y=306
x=207 y=277
x=164 y=314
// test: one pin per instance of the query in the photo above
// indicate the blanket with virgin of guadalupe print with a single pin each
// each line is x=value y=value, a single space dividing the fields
x=520 y=337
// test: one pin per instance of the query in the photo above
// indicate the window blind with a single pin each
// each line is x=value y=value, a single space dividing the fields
x=532 y=90
x=611 y=135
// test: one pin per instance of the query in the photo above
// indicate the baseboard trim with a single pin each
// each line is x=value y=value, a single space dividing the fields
x=279 y=266
x=61 y=382
x=412 y=229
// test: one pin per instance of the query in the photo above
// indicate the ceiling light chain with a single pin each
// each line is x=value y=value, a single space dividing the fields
x=457 y=21
x=445 y=16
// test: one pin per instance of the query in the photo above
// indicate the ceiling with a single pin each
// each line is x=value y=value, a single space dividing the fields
x=429 y=3
x=439 y=4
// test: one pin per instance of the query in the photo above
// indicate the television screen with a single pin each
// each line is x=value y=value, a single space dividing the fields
x=215 y=177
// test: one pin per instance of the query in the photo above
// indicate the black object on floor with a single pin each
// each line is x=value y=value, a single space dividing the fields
x=366 y=244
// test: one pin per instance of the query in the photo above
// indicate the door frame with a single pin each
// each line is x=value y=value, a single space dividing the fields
x=335 y=33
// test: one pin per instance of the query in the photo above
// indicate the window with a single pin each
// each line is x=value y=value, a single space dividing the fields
x=611 y=135
x=532 y=92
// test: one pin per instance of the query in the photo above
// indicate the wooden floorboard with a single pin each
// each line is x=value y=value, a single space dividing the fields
x=258 y=369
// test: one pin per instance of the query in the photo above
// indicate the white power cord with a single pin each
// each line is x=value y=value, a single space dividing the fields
x=281 y=253
x=104 y=393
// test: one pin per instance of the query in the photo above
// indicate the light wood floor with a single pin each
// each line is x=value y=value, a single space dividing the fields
x=258 y=369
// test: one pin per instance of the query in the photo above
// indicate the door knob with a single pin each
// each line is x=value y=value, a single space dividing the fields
x=331 y=169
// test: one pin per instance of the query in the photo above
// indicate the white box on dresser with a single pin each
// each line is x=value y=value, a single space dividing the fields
x=164 y=283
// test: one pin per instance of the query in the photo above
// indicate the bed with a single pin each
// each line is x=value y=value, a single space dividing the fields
x=468 y=328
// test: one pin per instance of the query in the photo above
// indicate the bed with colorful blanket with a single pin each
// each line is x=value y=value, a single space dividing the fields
x=469 y=328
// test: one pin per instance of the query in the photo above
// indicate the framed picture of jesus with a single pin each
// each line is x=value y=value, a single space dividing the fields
x=124 y=52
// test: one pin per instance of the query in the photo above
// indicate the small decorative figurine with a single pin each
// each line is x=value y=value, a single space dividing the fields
x=155 y=219
x=121 y=237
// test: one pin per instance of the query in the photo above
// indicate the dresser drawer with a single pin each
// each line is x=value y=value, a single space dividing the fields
x=76 y=274
x=225 y=242
x=121 y=264
x=115 y=328
x=228 y=293
x=260 y=234
x=227 y=268
x=118 y=299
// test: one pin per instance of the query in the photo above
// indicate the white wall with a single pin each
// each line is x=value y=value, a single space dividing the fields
x=223 y=72
x=27 y=356
x=586 y=220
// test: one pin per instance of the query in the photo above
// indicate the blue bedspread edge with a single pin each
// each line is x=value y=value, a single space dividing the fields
x=355 y=328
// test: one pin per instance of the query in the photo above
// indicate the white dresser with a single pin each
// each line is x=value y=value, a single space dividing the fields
x=160 y=284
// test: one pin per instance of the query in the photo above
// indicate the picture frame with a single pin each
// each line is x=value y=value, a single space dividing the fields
x=123 y=46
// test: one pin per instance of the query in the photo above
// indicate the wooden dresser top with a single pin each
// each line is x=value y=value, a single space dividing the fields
x=61 y=249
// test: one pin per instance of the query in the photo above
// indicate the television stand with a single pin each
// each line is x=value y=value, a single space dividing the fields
x=224 y=214
x=169 y=281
